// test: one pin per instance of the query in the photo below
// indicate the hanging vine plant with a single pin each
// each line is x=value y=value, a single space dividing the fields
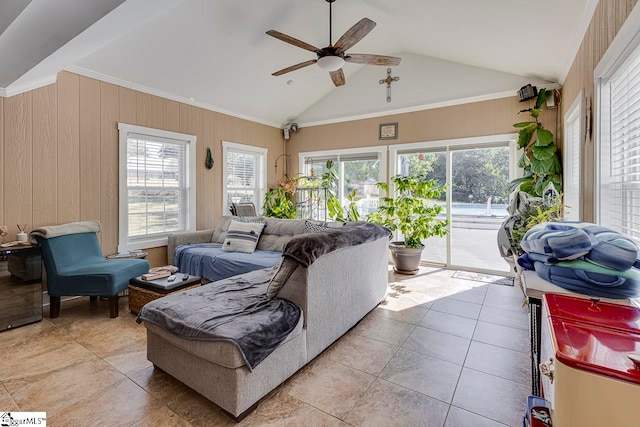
x=541 y=157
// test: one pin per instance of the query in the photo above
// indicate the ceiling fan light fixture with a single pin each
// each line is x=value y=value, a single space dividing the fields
x=330 y=63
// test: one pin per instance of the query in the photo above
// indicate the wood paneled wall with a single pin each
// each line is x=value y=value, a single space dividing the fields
x=605 y=24
x=483 y=118
x=59 y=153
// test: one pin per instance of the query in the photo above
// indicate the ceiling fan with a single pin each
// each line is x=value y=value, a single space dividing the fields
x=333 y=57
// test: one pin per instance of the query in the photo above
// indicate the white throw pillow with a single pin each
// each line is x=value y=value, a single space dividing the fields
x=242 y=236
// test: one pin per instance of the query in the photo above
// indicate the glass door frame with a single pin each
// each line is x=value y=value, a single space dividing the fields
x=448 y=146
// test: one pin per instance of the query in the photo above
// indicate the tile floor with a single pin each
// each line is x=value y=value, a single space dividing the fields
x=439 y=351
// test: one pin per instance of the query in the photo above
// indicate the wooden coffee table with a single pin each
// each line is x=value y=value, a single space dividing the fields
x=143 y=291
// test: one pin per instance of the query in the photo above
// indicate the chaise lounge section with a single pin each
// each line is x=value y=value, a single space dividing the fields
x=335 y=278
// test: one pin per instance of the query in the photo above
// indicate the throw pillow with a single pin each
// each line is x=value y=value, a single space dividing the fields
x=242 y=236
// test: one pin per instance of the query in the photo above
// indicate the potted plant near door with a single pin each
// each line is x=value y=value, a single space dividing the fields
x=410 y=213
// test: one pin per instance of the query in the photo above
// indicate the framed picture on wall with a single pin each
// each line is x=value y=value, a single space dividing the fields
x=388 y=131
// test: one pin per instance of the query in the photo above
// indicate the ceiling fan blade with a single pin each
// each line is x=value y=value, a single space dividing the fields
x=288 y=39
x=337 y=77
x=294 y=67
x=365 y=58
x=354 y=34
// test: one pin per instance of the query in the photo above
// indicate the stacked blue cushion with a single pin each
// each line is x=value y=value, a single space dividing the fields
x=583 y=257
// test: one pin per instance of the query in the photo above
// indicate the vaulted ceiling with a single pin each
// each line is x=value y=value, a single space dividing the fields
x=215 y=53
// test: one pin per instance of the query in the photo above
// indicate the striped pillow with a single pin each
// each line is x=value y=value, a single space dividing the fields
x=242 y=236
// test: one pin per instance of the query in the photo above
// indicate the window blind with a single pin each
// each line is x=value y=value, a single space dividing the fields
x=245 y=181
x=571 y=173
x=157 y=187
x=620 y=174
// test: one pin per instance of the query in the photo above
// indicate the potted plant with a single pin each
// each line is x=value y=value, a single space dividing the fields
x=540 y=160
x=409 y=213
x=279 y=201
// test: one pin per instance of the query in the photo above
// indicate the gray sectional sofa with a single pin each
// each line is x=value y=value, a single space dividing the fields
x=199 y=253
x=334 y=277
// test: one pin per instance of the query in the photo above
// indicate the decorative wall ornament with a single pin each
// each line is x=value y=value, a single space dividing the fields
x=388 y=81
x=208 y=163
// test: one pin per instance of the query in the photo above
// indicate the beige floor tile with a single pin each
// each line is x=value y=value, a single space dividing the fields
x=164 y=417
x=503 y=336
x=280 y=409
x=438 y=344
x=449 y=323
x=492 y=397
x=428 y=375
x=159 y=384
x=475 y=295
x=129 y=363
x=457 y=307
x=24 y=369
x=509 y=364
x=387 y=404
x=362 y=353
x=505 y=302
x=199 y=411
x=6 y=402
x=381 y=328
x=403 y=310
x=515 y=319
x=56 y=391
x=22 y=336
x=132 y=403
x=460 y=418
x=329 y=386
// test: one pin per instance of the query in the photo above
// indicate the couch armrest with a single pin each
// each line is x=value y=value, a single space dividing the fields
x=177 y=239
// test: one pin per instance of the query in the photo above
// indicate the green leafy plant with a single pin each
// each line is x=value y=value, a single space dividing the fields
x=541 y=157
x=544 y=212
x=408 y=212
x=279 y=202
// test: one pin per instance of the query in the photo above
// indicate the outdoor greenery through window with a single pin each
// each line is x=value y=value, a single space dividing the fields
x=157 y=190
x=245 y=176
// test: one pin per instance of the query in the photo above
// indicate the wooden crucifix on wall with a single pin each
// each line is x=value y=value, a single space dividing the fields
x=388 y=81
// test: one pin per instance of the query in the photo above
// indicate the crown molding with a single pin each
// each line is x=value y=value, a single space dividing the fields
x=13 y=89
x=453 y=102
x=145 y=89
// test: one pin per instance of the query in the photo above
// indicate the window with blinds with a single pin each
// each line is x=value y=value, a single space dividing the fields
x=157 y=187
x=619 y=147
x=573 y=137
x=245 y=174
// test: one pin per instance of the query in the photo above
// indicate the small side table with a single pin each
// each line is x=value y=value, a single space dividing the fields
x=142 y=291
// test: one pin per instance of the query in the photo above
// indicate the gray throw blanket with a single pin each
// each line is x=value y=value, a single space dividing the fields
x=306 y=248
x=236 y=310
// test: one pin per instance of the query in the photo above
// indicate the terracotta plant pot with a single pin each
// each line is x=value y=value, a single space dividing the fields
x=405 y=260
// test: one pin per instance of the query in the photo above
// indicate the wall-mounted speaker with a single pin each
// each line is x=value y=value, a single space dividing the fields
x=286 y=133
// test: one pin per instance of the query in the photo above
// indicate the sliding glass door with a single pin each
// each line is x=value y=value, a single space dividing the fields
x=474 y=175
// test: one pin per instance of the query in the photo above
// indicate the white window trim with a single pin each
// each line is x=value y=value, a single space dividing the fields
x=622 y=46
x=249 y=149
x=157 y=240
x=575 y=112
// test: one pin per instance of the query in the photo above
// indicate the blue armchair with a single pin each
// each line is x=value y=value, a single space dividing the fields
x=75 y=265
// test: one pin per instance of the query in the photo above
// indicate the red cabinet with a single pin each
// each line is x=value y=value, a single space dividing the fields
x=588 y=377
